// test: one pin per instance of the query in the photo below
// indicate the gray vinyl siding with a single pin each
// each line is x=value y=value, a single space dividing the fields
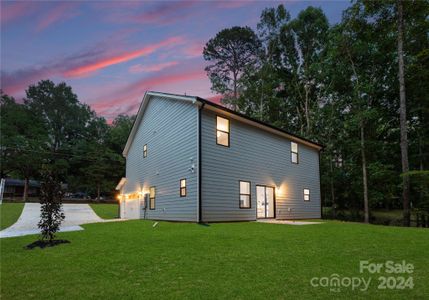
x=169 y=128
x=262 y=158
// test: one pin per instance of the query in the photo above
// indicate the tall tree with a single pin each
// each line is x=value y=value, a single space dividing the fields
x=23 y=141
x=403 y=116
x=119 y=131
x=304 y=44
x=261 y=97
x=64 y=117
x=407 y=23
x=232 y=51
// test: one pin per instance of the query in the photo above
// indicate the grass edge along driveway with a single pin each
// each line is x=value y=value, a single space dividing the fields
x=9 y=214
x=106 y=211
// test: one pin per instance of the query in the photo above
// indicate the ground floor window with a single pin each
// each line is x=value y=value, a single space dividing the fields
x=152 y=195
x=306 y=194
x=244 y=194
x=182 y=187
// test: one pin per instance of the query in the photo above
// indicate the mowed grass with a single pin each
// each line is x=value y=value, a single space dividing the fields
x=9 y=214
x=106 y=211
x=134 y=260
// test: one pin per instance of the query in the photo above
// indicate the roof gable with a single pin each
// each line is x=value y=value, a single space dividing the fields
x=147 y=97
x=200 y=101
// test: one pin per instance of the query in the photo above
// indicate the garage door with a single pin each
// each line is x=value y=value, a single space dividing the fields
x=132 y=209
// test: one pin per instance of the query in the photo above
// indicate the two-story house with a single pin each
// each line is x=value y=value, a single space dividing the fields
x=189 y=159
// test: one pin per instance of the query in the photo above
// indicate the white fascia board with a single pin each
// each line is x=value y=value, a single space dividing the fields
x=121 y=183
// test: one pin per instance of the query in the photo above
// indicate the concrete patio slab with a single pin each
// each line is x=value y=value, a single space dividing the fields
x=76 y=214
x=289 y=222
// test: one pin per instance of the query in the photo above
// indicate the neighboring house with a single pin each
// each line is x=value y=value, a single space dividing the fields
x=188 y=159
x=14 y=188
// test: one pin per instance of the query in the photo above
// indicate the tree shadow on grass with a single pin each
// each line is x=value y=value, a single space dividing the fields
x=43 y=244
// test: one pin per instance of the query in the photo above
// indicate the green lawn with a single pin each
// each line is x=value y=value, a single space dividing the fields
x=106 y=211
x=9 y=213
x=134 y=260
x=377 y=216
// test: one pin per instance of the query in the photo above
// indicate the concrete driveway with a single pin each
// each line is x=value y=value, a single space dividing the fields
x=76 y=214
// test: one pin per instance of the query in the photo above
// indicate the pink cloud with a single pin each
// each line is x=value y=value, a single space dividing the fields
x=158 y=13
x=11 y=11
x=194 y=49
x=78 y=65
x=127 y=99
x=234 y=3
x=57 y=14
x=123 y=57
x=139 y=68
x=162 y=13
x=215 y=99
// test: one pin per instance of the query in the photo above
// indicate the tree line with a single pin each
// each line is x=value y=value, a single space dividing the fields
x=360 y=87
x=52 y=130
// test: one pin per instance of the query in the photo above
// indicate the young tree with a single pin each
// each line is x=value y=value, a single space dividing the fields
x=231 y=52
x=51 y=195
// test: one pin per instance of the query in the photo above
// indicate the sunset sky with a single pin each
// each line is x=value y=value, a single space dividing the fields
x=111 y=52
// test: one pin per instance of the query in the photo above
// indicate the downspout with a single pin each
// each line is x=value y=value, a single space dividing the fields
x=320 y=187
x=199 y=163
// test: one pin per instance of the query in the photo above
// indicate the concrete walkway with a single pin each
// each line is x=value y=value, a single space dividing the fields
x=288 y=222
x=76 y=214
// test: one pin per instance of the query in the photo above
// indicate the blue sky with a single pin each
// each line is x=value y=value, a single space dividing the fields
x=111 y=52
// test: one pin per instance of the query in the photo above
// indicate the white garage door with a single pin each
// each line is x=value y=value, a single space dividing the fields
x=132 y=209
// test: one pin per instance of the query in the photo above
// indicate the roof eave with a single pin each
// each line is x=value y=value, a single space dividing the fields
x=263 y=125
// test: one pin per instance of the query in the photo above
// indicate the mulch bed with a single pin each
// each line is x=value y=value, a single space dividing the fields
x=44 y=244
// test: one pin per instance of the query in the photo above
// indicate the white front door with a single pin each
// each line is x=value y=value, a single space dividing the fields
x=265 y=202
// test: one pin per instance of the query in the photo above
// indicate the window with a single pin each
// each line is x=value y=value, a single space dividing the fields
x=144 y=150
x=222 y=131
x=152 y=195
x=182 y=187
x=294 y=152
x=244 y=194
x=306 y=195
x=338 y=159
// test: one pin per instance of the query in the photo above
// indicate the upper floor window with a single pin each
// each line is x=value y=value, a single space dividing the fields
x=222 y=131
x=337 y=159
x=306 y=194
x=244 y=194
x=152 y=194
x=182 y=187
x=294 y=152
x=144 y=150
